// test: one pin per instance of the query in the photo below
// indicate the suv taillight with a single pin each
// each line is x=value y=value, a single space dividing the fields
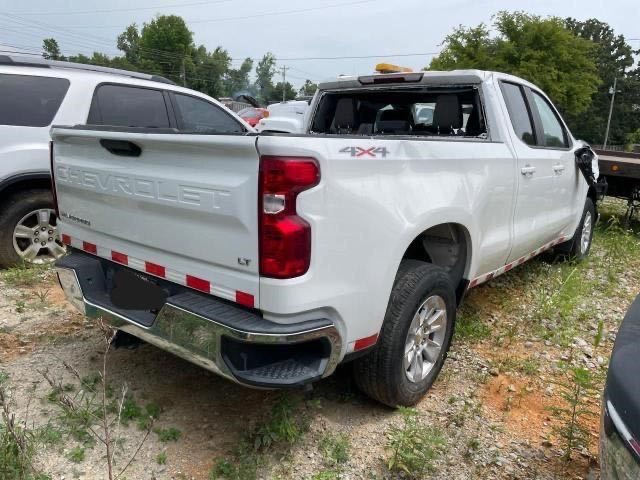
x=53 y=182
x=285 y=237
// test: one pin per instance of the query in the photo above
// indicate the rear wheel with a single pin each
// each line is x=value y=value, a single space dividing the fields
x=28 y=229
x=415 y=337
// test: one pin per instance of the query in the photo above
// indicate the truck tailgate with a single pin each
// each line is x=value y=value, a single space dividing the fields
x=178 y=206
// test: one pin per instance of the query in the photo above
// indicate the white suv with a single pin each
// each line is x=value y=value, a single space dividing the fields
x=36 y=93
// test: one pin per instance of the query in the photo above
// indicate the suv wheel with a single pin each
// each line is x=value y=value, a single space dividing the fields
x=415 y=336
x=28 y=229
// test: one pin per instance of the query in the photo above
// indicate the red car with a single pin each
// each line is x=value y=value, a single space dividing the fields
x=253 y=115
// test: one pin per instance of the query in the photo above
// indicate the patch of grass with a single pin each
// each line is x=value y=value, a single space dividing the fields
x=170 y=434
x=526 y=366
x=161 y=458
x=25 y=275
x=130 y=411
x=335 y=449
x=76 y=455
x=470 y=326
x=413 y=447
x=282 y=428
x=326 y=475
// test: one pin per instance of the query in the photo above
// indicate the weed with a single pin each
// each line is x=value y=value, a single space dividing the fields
x=170 y=434
x=76 y=455
x=571 y=416
x=161 y=458
x=18 y=444
x=326 y=475
x=130 y=411
x=21 y=306
x=413 y=446
x=597 y=340
x=42 y=296
x=281 y=427
x=335 y=449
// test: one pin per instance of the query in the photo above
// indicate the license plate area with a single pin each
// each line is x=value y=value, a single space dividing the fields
x=132 y=291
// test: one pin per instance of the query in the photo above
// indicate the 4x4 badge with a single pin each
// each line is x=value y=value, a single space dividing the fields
x=366 y=152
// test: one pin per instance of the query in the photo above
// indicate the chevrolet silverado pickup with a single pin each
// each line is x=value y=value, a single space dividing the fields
x=271 y=258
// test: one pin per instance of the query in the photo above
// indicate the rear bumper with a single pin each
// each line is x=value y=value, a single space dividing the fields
x=222 y=337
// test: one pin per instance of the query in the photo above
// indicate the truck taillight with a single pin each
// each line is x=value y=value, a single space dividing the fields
x=53 y=182
x=285 y=237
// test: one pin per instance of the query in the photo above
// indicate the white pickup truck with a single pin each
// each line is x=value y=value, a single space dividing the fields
x=272 y=258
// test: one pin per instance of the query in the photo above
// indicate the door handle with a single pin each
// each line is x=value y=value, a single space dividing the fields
x=528 y=171
x=122 y=148
x=558 y=169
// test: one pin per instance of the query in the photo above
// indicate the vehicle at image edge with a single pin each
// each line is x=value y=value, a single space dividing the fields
x=34 y=93
x=271 y=258
x=285 y=117
x=620 y=431
x=252 y=115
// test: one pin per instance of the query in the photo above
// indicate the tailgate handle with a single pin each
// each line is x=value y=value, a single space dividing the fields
x=122 y=148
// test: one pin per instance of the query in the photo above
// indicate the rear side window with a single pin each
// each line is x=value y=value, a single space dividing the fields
x=518 y=112
x=554 y=133
x=124 y=106
x=29 y=101
x=197 y=115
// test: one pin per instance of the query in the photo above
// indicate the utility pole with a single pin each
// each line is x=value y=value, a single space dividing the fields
x=284 y=83
x=613 y=97
x=183 y=73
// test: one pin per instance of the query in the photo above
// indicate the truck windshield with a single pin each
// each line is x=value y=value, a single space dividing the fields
x=448 y=112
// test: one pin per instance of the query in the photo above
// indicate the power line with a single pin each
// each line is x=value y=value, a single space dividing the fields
x=131 y=9
x=243 y=17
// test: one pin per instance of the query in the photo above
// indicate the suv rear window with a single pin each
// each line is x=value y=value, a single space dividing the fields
x=29 y=101
x=450 y=112
x=125 y=106
x=198 y=115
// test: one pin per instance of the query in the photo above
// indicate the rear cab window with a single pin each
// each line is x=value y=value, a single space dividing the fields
x=30 y=101
x=415 y=111
x=128 y=106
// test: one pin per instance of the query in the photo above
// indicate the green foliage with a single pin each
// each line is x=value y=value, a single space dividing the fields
x=572 y=414
x=283 y=426
x=413 y=446
x=614 y=58
x=537 y=49
x=161 y=458
x=470 y=325
x=309 y=88
x=25 y=275
x=335 y=449
x=170 y=434
x=51 y=49
x=76 y=455
x=276 y=92
x=265 y=71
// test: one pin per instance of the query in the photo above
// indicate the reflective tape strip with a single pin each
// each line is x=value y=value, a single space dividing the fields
x=362 y=343
x=488 y=276
x=161 y=271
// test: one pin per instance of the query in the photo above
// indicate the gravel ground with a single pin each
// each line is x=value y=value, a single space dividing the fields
x=491 y=403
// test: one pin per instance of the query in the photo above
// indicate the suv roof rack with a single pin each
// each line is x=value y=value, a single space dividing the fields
x=44 y=63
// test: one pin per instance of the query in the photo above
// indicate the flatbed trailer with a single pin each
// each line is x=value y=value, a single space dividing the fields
x=622 y=173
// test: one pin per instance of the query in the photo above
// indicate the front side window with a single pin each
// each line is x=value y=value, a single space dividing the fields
x=518 y=112
x=554 y=134
x=125 y=106
x=29 y=101
x=197 y=115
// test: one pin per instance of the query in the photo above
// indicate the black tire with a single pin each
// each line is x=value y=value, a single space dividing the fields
x=381 y=373
x=11 y=212
x=573 y=249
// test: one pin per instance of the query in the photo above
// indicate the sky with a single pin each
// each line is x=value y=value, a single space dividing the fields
x=301 y=34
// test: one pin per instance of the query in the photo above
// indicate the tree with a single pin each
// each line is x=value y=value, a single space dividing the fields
x=276 y=93
x=129 y=42
x=309 y=88
x=210 y=69
x=166 y=46
x=614 y=57
x=238 y=79
x=537 y=49
x=51 y=50
x=265 y=71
